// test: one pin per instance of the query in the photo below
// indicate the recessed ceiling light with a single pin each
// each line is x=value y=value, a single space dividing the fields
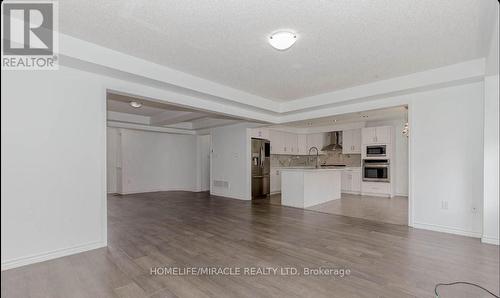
x=282 y=40
x=135 y=104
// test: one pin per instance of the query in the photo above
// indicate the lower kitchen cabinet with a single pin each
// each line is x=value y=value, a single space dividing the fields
x=380 y=189
x=275 y=177
x=351 y=181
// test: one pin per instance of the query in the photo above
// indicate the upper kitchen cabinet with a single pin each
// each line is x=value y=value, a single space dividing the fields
x=302 y=144
x=277 y=141
x=376 y=135
x=260 y=133
x=351 y=141
x=283 y=142
x=315 y=140
x=290 y=143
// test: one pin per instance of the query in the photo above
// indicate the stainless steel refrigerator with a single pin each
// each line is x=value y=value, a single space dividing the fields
x=261 y=154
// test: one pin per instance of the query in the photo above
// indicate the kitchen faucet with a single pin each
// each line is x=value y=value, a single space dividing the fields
x=317 y=155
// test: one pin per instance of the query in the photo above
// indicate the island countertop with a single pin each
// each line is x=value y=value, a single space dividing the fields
x=311 y=169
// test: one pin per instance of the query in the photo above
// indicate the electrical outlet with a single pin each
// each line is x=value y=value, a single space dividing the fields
x=444 y=205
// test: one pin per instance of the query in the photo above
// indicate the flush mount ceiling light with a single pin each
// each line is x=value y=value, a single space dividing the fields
x=135 y=104
x=282 y=40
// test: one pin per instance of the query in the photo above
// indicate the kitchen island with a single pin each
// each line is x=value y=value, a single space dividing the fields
x=306 y=187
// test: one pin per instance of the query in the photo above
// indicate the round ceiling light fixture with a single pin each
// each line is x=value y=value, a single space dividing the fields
x=135 y=104
x=282 y=40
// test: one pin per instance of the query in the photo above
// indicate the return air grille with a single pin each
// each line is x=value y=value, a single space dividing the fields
x=221 y=183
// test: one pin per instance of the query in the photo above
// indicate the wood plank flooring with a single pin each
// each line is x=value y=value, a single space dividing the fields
x=390 y=210
x=194 y=229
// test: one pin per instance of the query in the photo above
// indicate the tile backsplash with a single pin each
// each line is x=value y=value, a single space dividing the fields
x=332 y=157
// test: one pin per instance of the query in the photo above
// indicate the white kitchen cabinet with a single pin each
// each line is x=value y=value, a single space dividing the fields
x=351 y=141
x=283 y=142
x=368 y=135
x=384 y=134
x=315 y=140
x=302 y=144
x=294 y=144
x=381 y=189
x=345 y=181
x=260 y=133
x=356 y=181
x=351 y=181
x=376 y=135
x=275 y=177
x=277 y=139
x=290 y=143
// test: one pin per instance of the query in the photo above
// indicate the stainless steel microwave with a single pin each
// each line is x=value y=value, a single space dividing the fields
x=376 y=151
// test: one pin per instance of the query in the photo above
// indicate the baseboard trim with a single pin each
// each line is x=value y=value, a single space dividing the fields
x=490 y=240
x=23 y=261
x=225 y=196
x=371 y=194
x=133 y=192
x=445 y=229
x=358 y=193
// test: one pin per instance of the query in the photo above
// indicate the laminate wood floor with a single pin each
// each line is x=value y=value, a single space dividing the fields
x=194 y=229
x=390 y=210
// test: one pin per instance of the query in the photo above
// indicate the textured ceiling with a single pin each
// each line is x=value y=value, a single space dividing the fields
x=340 y=44
x=394 y=113
x=120 y=103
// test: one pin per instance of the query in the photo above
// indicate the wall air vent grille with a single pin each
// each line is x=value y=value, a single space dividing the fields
x=221 y=183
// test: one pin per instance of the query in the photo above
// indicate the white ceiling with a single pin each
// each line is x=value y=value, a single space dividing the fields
x=157 y=114
x=121 y=103
x=341 y=43
x=394 y=113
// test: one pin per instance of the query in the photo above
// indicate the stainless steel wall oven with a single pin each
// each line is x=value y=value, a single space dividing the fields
x=376 y=170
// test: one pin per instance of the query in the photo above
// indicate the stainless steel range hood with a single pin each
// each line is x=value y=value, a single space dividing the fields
x=334 y=140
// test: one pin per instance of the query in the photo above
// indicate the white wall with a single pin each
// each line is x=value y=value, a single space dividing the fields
x=492 y=66
x=491 y=168
x=112 y=147
x=53 y=164
x=491 y=143
x=230 y=161
x=400 y=155
x=447 y=158
x=156 y=161
x=153 y=161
